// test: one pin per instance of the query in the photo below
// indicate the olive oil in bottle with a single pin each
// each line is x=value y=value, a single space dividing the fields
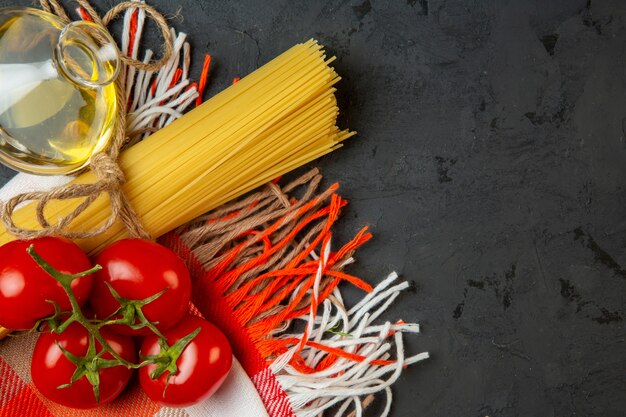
x=55 y=109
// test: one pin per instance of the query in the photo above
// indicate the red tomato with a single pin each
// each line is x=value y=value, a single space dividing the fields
x=202 y=366
x=50 y=368
x=25 y=286
x=138 y=269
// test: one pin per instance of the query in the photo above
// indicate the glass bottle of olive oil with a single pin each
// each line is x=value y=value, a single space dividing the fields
x=57 y=99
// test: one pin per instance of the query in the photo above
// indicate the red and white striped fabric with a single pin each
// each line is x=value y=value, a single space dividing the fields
x=18 y=396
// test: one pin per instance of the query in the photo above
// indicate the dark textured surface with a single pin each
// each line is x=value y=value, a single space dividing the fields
x=490 y=164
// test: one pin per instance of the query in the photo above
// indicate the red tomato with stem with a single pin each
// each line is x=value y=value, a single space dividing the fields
x=202 y=366
x=138 y=269
x=25 y=286
x=50 y=368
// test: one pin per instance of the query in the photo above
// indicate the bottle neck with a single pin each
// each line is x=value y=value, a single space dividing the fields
x=86 y=55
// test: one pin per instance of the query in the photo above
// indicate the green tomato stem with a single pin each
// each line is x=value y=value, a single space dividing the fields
x=76 y=315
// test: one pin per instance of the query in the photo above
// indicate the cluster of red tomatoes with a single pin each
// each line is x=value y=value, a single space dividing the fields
x=99 y=324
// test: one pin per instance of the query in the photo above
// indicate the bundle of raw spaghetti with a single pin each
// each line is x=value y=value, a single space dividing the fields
x=272 y=121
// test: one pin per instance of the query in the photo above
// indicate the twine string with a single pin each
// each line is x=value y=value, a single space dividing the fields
x=109 y=176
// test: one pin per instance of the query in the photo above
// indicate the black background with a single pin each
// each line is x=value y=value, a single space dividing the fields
x=490 y=166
